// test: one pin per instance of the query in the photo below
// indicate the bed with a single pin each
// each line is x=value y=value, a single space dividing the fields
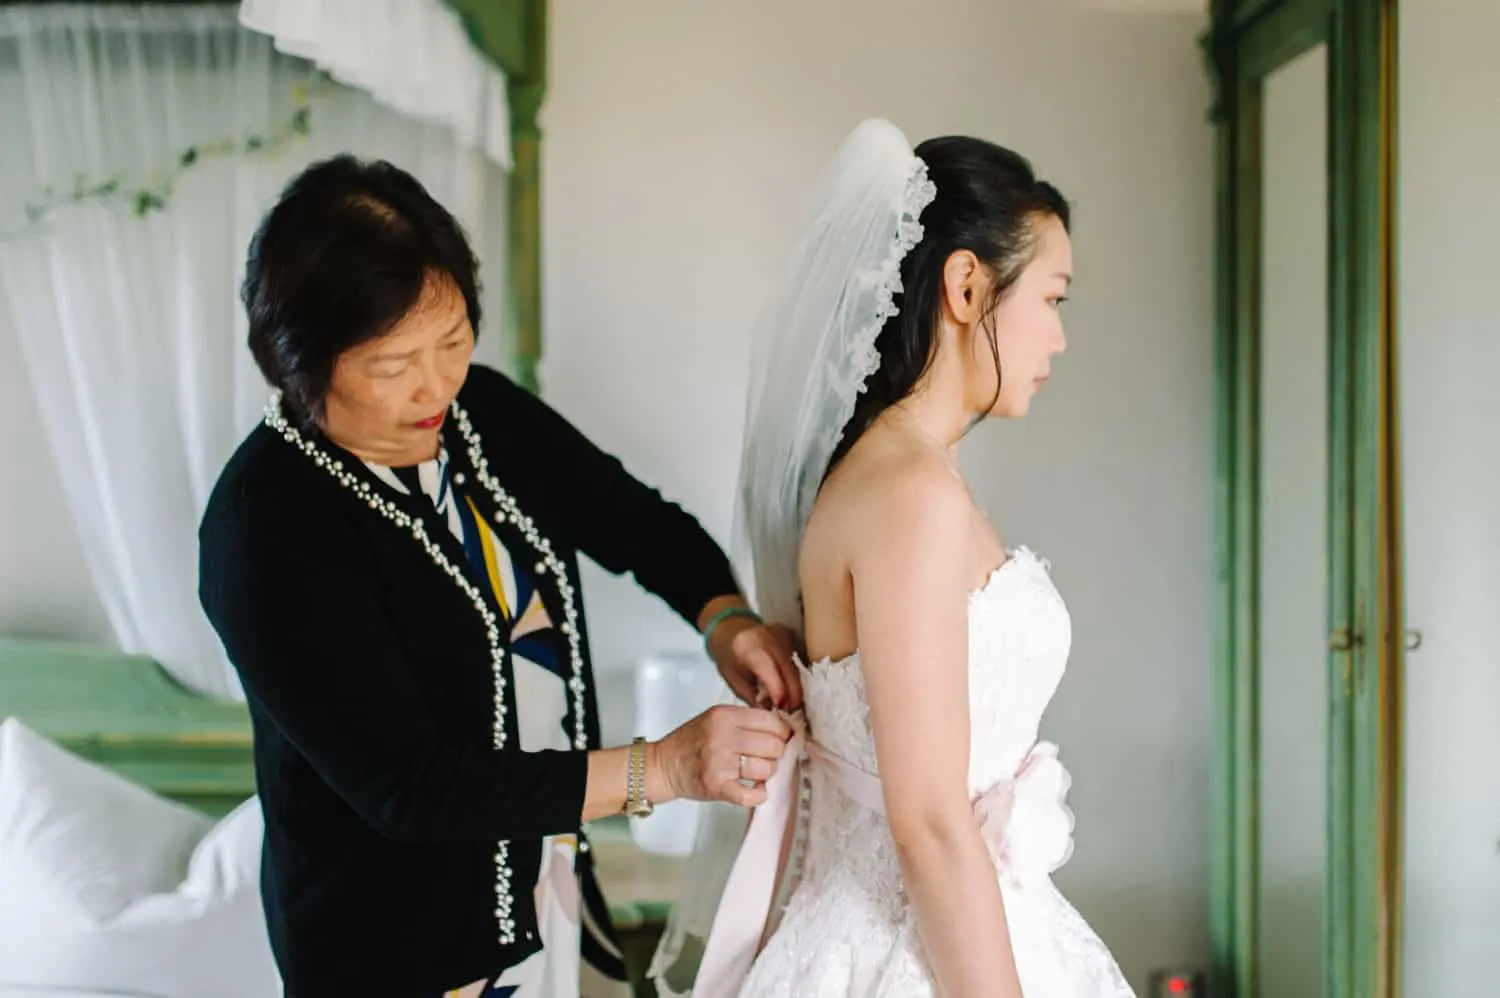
x=29 y=992
x=126 y=713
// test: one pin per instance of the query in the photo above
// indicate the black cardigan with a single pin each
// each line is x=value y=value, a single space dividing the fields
x=369 y=677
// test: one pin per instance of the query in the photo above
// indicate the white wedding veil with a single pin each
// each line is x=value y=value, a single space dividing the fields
x=813 y=348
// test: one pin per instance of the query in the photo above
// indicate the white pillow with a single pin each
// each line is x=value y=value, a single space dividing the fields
x=25 y=992
x=80 y=840
x=62 y=992
x=191 y=924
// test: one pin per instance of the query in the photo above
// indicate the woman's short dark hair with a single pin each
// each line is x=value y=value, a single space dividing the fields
x=988 y=202
x=341 y=258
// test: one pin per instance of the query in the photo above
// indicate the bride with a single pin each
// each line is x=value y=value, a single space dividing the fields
x=910 y=831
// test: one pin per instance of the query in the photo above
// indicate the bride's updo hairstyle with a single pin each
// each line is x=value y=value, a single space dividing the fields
x=988 y=202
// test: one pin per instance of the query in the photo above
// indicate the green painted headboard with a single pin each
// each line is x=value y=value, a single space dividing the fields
x=125 y=712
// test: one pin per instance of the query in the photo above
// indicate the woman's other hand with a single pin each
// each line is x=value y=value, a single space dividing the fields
x=755 y=659
x=707 y=757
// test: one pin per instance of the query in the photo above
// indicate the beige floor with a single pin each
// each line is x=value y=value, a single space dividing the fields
x=627 y=874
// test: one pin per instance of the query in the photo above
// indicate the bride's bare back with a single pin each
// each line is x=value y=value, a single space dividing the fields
x=889 y=488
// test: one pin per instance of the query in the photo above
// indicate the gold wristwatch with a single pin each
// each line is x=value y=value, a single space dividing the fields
x=636 y=804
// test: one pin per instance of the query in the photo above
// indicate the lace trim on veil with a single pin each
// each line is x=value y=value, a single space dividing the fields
x=815 y=349
x=864 y=359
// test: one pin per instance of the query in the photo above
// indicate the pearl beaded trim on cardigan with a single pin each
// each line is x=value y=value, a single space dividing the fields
x=508 y=510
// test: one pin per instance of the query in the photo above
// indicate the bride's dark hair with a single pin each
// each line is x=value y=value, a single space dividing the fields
x=988 y=202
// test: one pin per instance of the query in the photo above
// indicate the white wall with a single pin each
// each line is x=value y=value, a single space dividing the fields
x=681 y=138
x=1449 y=340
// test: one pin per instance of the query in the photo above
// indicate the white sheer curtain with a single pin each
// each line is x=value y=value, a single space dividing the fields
x=130 y=325
x=414 y=56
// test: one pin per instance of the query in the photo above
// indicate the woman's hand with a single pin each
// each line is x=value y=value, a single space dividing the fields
x=755 y=659
x=699 y=761
x=707 y=757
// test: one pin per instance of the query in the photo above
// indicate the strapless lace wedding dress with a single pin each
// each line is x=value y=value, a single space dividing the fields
x=847 y=929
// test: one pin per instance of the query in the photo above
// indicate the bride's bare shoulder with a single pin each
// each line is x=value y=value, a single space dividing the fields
x=892 y=485
x=887 y=510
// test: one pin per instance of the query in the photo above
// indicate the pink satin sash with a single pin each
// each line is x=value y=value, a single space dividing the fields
x=745 y=907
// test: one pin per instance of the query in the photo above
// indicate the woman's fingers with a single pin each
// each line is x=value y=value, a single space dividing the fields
x=757 y=744
x=753 y=719
x=723 y=746
x=756 y=660
x=787 y=650
x=755 y=755
x=761 y=663
x=735 y=792
x=756 y=769
x=745 y=687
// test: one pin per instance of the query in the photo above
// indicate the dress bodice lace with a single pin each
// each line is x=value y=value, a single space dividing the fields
x=847 y=928
x=1019 y=636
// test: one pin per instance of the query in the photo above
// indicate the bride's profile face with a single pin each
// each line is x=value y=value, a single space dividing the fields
x=1027 y=325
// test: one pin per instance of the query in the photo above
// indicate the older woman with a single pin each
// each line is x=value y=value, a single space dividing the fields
x=391 y=561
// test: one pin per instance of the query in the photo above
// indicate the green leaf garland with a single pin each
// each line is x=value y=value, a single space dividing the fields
x=155 y=194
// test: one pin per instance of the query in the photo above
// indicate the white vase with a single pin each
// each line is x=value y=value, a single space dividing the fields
x=671 y=688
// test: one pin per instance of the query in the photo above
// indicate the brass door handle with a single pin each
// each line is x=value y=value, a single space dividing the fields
x=1342 y=639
